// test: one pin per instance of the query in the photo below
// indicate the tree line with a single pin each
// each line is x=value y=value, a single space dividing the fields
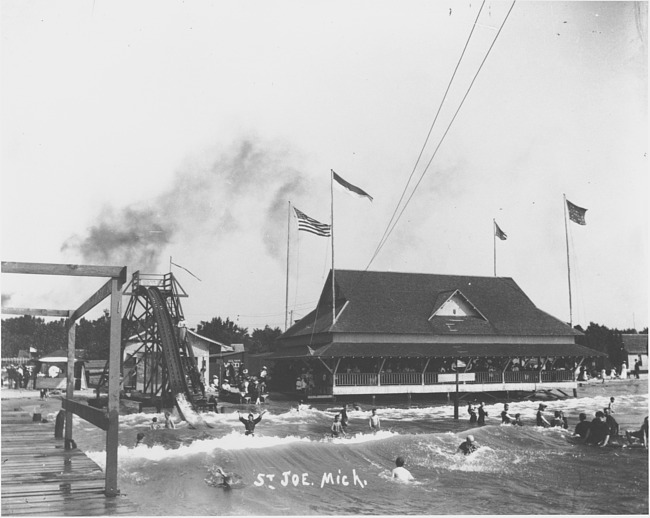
x=21 y=333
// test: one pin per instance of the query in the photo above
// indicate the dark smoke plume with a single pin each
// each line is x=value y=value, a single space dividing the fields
x=210 y=197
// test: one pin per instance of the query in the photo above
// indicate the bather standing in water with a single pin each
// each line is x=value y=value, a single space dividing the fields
x=168 y=421
x=250 y=422
x=482 y=414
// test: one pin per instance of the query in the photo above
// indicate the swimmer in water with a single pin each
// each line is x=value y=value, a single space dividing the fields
x=469 y=446
x=154 y=424
x=226 y=478
x=139 y=438
x=400 y=472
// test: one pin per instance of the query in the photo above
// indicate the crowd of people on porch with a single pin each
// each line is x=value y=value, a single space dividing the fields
x=239 y=382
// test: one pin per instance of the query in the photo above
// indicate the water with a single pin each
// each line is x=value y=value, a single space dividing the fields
x=518 y=470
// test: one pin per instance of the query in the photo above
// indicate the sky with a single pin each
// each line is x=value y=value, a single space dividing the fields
x=136 y=132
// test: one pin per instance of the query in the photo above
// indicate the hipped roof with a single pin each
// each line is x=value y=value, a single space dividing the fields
x=440 y=350
x=401 y=303
x=635 y=344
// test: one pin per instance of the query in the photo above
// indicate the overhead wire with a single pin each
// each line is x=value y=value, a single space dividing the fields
x=435 y=119
x=391 y=227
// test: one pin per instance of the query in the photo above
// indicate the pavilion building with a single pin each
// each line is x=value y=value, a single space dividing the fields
x=414 y=333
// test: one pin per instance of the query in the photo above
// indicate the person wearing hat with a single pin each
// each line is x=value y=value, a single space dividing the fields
x=300 y=385
x=541 y=420
x=469 y=446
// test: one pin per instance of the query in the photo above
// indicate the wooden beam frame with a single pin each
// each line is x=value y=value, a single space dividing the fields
x=61 y=313
x=112 y=442
x=74 y=270
x=95 y=299
x=113 y=287
x=91 y=414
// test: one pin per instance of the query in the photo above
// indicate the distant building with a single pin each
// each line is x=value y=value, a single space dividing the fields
x=411 y=333
x=140 y=365
x=636 y=348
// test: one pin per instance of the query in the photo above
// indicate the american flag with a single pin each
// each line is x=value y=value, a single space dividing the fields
x=576 y=214
x=311 y=225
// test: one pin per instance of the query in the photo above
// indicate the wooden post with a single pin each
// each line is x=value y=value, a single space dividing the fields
x=113 y=389
x=69 y=391
x=456 y=402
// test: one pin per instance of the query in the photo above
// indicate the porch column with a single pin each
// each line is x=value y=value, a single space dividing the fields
x=112 y=443
x=383 y=361
x=425 y=369
x=336 y=368
x=69 y=389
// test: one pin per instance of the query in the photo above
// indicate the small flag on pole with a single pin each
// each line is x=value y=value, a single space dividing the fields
x=576 y=214
x=351 y=189
x=183 y=267
x=311 y=225
x=499 y=233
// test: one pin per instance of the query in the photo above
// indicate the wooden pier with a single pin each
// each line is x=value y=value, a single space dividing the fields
x=40 y=477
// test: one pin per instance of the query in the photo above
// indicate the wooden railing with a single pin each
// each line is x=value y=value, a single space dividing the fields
x=557 y=376
x=351 y=379
x=430 y=378
x=401 y=378
x=521 y=377
x=489 y=377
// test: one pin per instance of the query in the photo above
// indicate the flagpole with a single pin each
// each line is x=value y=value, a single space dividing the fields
x=170 y=264
x=286 y=295
x=568 y=262
x=494 y=242
x=332 y=230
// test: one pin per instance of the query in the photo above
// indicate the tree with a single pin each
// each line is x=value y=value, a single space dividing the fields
x=27 y=331
x=94 y=336
x=224 y=331
x=264 y=340
x=605 y=340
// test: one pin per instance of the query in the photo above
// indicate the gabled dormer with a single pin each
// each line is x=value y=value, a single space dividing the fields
x=456 y=305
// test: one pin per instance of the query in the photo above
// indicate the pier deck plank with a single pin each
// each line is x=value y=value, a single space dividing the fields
x=39 y=477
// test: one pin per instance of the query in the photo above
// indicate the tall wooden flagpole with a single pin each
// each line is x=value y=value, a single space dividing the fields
x=286 y=294
x=494 y=242
x=332 y=230
x=568 y=262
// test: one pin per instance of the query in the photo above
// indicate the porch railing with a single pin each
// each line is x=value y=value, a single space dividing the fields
x=401 y=378
x=351 y=379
